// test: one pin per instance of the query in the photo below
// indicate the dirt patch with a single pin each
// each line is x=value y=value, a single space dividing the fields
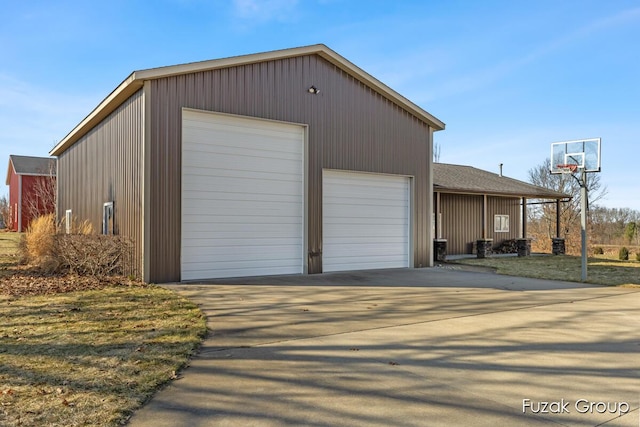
x=21 y=281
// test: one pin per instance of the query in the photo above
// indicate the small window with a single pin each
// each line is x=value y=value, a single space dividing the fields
x=107 y=218
x=68 y=221
x=501 y=224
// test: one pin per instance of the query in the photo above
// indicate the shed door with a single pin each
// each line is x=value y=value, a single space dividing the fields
x=365 y=221
x=242 y=196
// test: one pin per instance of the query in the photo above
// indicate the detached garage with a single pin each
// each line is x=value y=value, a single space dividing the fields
x=286 y=162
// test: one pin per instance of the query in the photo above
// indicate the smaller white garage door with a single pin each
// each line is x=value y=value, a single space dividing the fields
x=366 y=221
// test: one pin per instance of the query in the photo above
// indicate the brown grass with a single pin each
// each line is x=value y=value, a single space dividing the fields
x=86 y=358
x=91 y=358
x=39 y=242
x=601 y=271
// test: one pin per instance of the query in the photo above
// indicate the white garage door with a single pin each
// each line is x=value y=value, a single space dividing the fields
x=242 y=196
x=365 y=221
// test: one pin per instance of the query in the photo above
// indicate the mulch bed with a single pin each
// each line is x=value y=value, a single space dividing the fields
x=23 y=281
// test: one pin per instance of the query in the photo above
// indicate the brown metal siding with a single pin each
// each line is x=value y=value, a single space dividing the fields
x=503 y=206
x=106 y=165
x=350 y=127
x=462 y=220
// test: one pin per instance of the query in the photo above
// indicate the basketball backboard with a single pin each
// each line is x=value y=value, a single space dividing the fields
x=583 y=153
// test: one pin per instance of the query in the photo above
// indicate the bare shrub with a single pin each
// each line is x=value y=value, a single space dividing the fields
x=81 y=253
x=95 y=255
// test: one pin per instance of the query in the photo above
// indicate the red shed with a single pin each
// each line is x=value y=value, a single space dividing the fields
x=32 y=190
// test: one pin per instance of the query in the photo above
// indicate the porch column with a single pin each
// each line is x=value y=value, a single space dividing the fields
x=524 y=217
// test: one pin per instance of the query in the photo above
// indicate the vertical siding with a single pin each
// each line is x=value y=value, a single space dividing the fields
x=504 y=206
x=461 y=221
x=107 y=165
x=350 y=127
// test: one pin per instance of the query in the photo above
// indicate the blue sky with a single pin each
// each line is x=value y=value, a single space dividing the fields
x=507 y=77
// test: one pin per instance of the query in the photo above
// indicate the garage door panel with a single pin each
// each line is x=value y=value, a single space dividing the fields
x=237 y=125
x=247 y=185
x=365 y=221
x=364 y=231
x=369 y=212
x=370 y=264
x=241 y=207
x=229 y=216
x=246 y=231
x=275 y=175
x=242 y=197
x=347 y=250
x=232 y=257
x=271 y=149
x=242 y=163
x=262 y=243
x=222 y=272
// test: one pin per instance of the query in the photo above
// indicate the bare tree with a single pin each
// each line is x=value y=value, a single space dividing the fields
x=542 y=217
x=41 y=200
x=5 y=212
x=436 y=152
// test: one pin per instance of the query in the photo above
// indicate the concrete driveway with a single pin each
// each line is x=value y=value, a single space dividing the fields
x=408 y=348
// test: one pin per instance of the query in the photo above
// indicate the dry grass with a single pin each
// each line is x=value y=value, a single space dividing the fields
x=92 y=357
x=39 y=239
x=9 y=257
x=601 y=271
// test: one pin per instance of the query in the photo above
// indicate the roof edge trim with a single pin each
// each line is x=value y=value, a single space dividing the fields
x=120 y=94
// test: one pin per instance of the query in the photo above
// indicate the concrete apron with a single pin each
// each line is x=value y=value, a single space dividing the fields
x=408 y=348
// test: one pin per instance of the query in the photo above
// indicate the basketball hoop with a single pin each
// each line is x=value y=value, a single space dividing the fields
x=567 y=168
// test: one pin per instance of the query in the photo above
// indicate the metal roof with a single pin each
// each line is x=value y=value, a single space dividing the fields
x=470 y=180
x=28 y=165
x=136 y=80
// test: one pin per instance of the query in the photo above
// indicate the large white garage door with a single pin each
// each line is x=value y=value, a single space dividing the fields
x=242 y=196
x=365 y=221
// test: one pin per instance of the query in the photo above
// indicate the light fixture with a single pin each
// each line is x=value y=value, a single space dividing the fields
x=314 y=90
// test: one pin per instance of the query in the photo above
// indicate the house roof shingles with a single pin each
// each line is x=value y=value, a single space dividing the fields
x=470 y=180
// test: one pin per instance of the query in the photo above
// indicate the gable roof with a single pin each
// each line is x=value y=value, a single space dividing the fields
x=29 y=165
x=136 y=80
x=467 y=179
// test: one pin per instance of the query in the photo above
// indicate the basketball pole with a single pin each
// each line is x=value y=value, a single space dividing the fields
x=583 y=222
